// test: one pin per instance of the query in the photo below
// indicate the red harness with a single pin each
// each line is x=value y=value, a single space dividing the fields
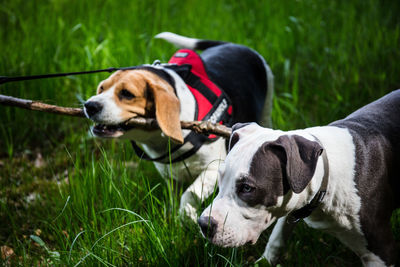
x=211 y=103
x=204 y=90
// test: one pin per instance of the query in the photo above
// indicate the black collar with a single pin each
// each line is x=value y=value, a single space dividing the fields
x=306 y=211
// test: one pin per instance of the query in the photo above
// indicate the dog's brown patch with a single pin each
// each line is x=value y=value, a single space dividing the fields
x=143 y=93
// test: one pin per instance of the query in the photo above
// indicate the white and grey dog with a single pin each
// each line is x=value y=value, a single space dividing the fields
x=272 y=175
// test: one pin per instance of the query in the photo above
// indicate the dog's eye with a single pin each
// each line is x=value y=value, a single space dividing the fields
x=126 y=94
x=245 y=188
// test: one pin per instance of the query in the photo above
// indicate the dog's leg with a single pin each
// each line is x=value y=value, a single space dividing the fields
x=371 y=260
x=357 y=243
x=277 y=240
x=377 y=248
x=197 y=192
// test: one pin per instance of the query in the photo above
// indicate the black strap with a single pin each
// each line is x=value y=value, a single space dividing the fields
x=191 y=79
x=195 y=82
x=197 y=142
x=195 y=139
x=143 y=155
x=297 y=215
x=182 y=70
x=6 y=79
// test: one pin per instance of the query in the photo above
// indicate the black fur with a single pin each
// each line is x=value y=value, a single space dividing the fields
x=205 y=44
x=161 y=73
x=376 y=134
x=237 y=70
x=241 y=73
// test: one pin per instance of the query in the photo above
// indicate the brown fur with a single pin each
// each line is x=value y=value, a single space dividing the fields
x=152 y=96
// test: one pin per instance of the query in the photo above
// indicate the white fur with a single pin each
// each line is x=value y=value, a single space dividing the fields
x=371 y=260
x=178 y=40
x=111 y=112
x=201 y=167
x=187 y=100
x=276 y=241
x=238 y=224
x=190 y=43
x=338 y=214
x=154 y=144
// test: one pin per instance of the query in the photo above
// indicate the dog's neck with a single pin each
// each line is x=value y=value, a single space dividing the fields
x=312 y=205
x=340 y=152
x=297 y=201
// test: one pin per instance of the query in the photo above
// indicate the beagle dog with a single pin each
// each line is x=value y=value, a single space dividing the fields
x=342 y=178
x=237 y=83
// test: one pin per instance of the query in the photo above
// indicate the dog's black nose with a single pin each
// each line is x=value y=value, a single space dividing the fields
x=208 y=226
x=92 y=107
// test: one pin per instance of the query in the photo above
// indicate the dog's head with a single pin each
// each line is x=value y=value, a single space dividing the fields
x=263 y=170
x=130 y=93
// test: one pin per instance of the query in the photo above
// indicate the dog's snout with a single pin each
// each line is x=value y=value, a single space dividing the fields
x=92 y=107
x=208 y=226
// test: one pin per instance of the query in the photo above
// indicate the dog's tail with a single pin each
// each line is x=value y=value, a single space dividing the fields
x=187 y=42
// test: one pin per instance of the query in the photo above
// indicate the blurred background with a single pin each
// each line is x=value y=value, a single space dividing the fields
x=69 y=199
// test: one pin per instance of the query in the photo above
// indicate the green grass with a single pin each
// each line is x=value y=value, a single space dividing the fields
x=93 y=202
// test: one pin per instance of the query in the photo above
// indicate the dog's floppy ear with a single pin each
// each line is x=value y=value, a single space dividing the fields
x=235 y=135
x=239 y=125
x=299 y=158
x=233 y=140
x=167 y=108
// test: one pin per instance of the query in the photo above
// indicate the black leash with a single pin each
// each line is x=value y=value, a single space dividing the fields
x=5 y=79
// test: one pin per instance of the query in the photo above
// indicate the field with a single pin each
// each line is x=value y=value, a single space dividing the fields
x=67 y=198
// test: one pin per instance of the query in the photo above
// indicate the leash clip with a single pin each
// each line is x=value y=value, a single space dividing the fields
x=156 y=62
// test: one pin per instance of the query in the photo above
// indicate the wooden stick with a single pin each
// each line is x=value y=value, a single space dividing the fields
x=202 y=127
x=35 y=105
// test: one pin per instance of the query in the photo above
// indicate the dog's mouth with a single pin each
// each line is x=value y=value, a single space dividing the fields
x=111 y=131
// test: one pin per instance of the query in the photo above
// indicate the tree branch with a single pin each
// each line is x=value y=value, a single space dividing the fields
x=202 y=127
x=35 y=105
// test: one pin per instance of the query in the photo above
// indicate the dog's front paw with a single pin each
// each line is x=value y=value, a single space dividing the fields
x=188 y=212
x=272 y=255
x=188 y=207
